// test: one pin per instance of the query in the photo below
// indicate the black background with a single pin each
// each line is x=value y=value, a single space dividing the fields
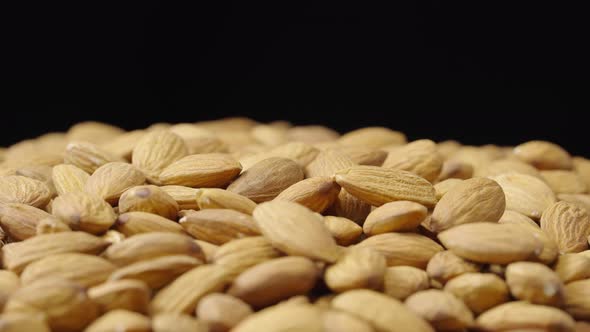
x=479 y=72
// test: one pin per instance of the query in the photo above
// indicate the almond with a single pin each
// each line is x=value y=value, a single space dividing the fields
x=239 y=255
x=222 y=312
x=170 y=322
x=441 y=309
x=443 y=187
x=68 y=178
x=580 y=200
x=17 y=322
x=396 y=216
x=92 y=131
x=568 y=225
x=132 y=295
x=577 y=299
x=372 y=137
x=403 y=248
x=209 y=249
x=358 y=268
x=111 y=180
x=362 y=156
x=85 y=212
x=535 y=283
x=419 y=157
x=525 y=194
x=504 y=166
x=445 y=265
x=582 y=167
x=185 y=197
x=156 y=150
x=350 y=207
x=344 y=231
x=20 y=221
x=564 y=182
x=522 y=315
x=452 y=169
x=340 y=321
x=120 y=320
x=317 y=193
x=20 y=189
x=201 y=170
x=572 y=267
x=328 y=162
x=214 y=198
x=403 y=281
x=218 y=226
x=157 y=272
x=123 y=144
x=136 y=222
x=150 y=199
x=87 y=156
x=301 y=317
x=311 y=134
x=9 y=283
x=543 y=155
x=479 y=291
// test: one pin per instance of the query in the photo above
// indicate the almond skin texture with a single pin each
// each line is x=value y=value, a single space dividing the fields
x=85 y=212
x=479 y=291
x=87 y=156
x=214 y=198
x=158 y=272
x=419 y=157
x=442 y=309
x=568 y=225
x=525 y=194
x=514 y=316
x=137 y=222
x=132 y=295
x=403 y=248
x=150 y=199
x=111 y=180
x=68 y=178
x=317 y=193
x=222 y=312
x=445 y=265
x=395 y=217
x=543 y=155
x=184 y=196
x=156 y=150
x=20 y=189
x=473 y=200
x=572 y=267
x=296 y=230
x=491 y=243
x=403 y=281
x=218 y=226
x=201 y=170
x=344 y=231
x=535 y=283
x=358 y=268
x=377 y=186
x=20 y=220
x=362 y=156
x=266 y=179
x=239 y=255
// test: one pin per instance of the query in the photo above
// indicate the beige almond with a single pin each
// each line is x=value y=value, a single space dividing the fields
x=564 y=182
x=201 y=170
x=317 y=194
x=479 y=291
x=16 y=256
x=123 y=145
x=222 y=312
x=269 y=135
x=504 y=166
x=120 y=320
x=525 y=194
x=377 y=186
x=42 y=173
x=185 y=197
x=158 y=272
x=515 y=316
x=344 y=230
x=266 y=179
x=152 y=245
x=582 y=167
x=513 y=217
x=18 y=322
x=419 y=157
x=580 y=200
x=214 y=198
x=112 y=236
x=568 y=225
x=340 y=321
x=311 y=134
x=111 y=180
x=52 y=225
x=132 y=295
x=543 y=155
x=453 y=169
x=209 y=249
x=24 y=190
x=68 y=178
x=150 y=199
x=550 y=250
x=385 y=313
x=363 y=156
x=485 y=242
x=445 y=265
x=93 y=131
x=65 y=304
x=403 y=248
x=443 y=187
x=156 y=150
x=278 y=318
x=577 y=299
x=86 y=270
x=403 y=281
x=9 y=283
x=218 y=226
x=184 y=293
x=473 y=200
x=372 y=137
x=275 y=280
x=572 y=267
x=88 y=156
x=358 y=268
x=20 y=220
x=535 y=283
x=83 y=211
x=171 y=322
x=239 y=255
x=448 y=148
x=137 y=222
x=296 y=230
x=328 y=162
x=442 y=310
x=396 y=216
x=350 y=207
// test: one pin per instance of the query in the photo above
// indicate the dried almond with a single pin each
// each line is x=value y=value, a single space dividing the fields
x=132 y=295
x=214 y=198
x=525 y=194
x=453 y=169
x=441 y=309
x=572 y=267
x=111 y=180
x=171 y=322
x=358 y=268
x=444 y=186
x=184 y=196
x=266 y=179
x=300 y=317
x=277 y=279
x=577 y=299
x=152 y=245
x=20 y=189
x=68 y=178
x=363 y=156
x=582 y=167
x=123 y=144
x=88 y=156
x=377 y=186
x=296 y=230
x=514 y=316
x=239 y=255
x=340 y=321
x=350 y=207
x=138 y=222
x=344 y=231
x=373 y=137
x=479 y=291
x=9 y=283
x=486 y=242
x=568 y=225
x=403 y=281
x=311 y=134
x=19 y=220
x=504 y=166
x=93 y=131
x=222 y=312
x=445 y=265
x=201 y=170
x=317 y=193
x=121 y=320
x=209 y=249
x=158 y=272
x=156 y=150
x=550 y=250
x=328 y=162
x=18 y=322
x=83 y=211
x=269 y=135
x=564 y=182
x=150 y=199
x=513 y=217
x=218 y=226
x=396 y=216
x=419 y=157
x=535 y=283
x=580 y=200
x=543 y=155
x=403 y=248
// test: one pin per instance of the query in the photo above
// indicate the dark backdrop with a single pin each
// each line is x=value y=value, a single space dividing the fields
x=479 y=72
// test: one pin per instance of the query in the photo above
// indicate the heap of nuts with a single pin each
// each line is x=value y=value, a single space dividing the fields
x=249 y=227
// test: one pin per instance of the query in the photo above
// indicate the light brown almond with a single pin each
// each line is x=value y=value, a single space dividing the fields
x=68 y=178
x=156 y=150
x=184 y=196
x=477 y=157
x=239 y=255
x=123 y=144
x=83 y=211
x=201 y=170
x=479 y=291
x=577 y=299
x=296 y=230
x=377 y=186
x=485 y=242
x=121 y=320
x=564 y=182
x=403 y=281
x=88 y=156
x=340 y=321
x=158 y=272
x=396 y=216
x=150 y=199
x=299 y=152
x=209 y=249
x=363 y=156
x=419 y=157
x=93 y=131
x=85 y=270
x=113 y=236
x=513 y=217
x=317 y=194
x=266 y=179
x=515 y=316
x=543 y=155
x=136 y=222
x=572 y=267
x=311 y=134
x=525 y=194
x=184 y=293
x=51 y=225
x=373 y=137
x=328 y=162
x=222 y=312
x=132 y=295
x=275 y=280
x=20 y=189
x=550 y=249
x=357 y=268
x=350 y=207
x=269 y=135
x=16 y=256
x=582 y=167
x=445 y=265
x=17 y=322
x=218 y=226
x=170 y=322
x=301 y=317
x=444 y=186
x=580 y=200
x=442 y=310
x=214 y=198
x=19 y=220
x=535 y=283
x=111 y=180
x=504 y=166
x=9 y=283
x=568 y=225
x=344 y=231
x=403 y=248
x=453 y=169
x=152 y=245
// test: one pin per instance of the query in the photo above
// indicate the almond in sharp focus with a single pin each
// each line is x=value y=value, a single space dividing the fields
x=344 y=230
x=445 y=265
x=535 y=283
x=568 y=225
x=85 y=212
x=120 y=320
x=317 y=193
x=442 y=310
x=357 y=268
x=218 y=226
x=519 y=315
x=19 y=220
x=222 y=312
x=525 y=194
x=473 y=200
x=20 y=189
x=296 y=230
x=494 y=243
x=214 y=198
x=239 y=255
x=543 y=155
x=396 y=216
x=479 y=291
x=87 y=156
x=403 y=248
x=419 y=157
x=156 y=150
x=68 y=178
x=158 y=272
x=111 y=180
x=564 y=182
x=266 y=179
x=137 y=222
x=184 y=196
x=132 y=295
x=150 y=199
x=377 y=185
x=403 y=281
x=201 y=170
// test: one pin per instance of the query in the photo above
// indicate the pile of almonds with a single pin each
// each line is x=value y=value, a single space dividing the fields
x=237 y=225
